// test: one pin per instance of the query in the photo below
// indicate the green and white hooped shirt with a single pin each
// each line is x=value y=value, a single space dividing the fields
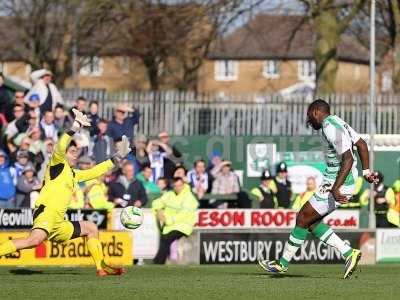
x=338 y=138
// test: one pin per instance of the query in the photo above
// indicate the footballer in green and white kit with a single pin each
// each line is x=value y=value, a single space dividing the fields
x=338 y=138
x=337 y=187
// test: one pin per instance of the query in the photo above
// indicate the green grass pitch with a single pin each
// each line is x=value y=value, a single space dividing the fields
x=201 y=282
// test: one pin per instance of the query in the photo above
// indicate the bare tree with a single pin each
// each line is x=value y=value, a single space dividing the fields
x=387 y=22
x=217 y=19
x=43 y=32
x=172 y=40
x=330 y=20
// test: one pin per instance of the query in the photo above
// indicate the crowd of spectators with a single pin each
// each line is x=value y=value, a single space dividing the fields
x=31 y=123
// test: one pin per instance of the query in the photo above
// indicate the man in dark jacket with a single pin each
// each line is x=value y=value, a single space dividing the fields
x=284 y=186
x=103 y=145
x=127 y=191
x=19 y=99
x=122 y=124
x=93 y=117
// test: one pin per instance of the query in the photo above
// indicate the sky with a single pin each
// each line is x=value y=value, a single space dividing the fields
x=271 y=6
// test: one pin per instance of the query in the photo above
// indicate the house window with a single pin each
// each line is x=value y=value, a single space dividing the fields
x=306 y=69
x=387 y=81
x=92 y=66
x=271 y=69
x=125 y=64
x=226 y=70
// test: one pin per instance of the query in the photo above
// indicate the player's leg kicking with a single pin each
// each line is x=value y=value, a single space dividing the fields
x=90 y=231
x=309 y=220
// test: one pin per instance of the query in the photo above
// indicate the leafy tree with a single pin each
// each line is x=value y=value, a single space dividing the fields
x=330 y=20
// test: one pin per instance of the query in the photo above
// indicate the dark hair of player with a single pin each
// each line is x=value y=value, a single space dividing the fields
x=320 y=105
x=72 y=144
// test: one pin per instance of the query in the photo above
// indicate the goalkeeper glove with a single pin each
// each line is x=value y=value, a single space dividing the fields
x=80 y=120
x=122 y=150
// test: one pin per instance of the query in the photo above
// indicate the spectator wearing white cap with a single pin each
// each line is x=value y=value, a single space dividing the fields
x=48 y=93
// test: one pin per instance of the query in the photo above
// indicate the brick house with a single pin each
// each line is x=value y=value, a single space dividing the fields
x=275 y=52
x=271 y=53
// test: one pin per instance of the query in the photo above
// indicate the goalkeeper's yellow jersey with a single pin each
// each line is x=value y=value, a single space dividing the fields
x=61 y=179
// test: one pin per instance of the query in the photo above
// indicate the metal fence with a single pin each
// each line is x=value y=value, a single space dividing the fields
x=190 y=113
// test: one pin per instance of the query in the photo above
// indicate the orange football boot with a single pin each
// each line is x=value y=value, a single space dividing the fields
x=107 y=270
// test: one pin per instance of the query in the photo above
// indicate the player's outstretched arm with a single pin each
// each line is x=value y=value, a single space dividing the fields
x=362 y=149
x=80 y=121
x=345 y=167
x=102 y=168
x=97 y=171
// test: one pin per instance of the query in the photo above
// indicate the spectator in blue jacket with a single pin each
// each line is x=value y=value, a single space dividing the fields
x=7 y=182
x=122 y=124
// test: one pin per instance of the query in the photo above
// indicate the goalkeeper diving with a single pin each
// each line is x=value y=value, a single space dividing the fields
x=60 y=181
